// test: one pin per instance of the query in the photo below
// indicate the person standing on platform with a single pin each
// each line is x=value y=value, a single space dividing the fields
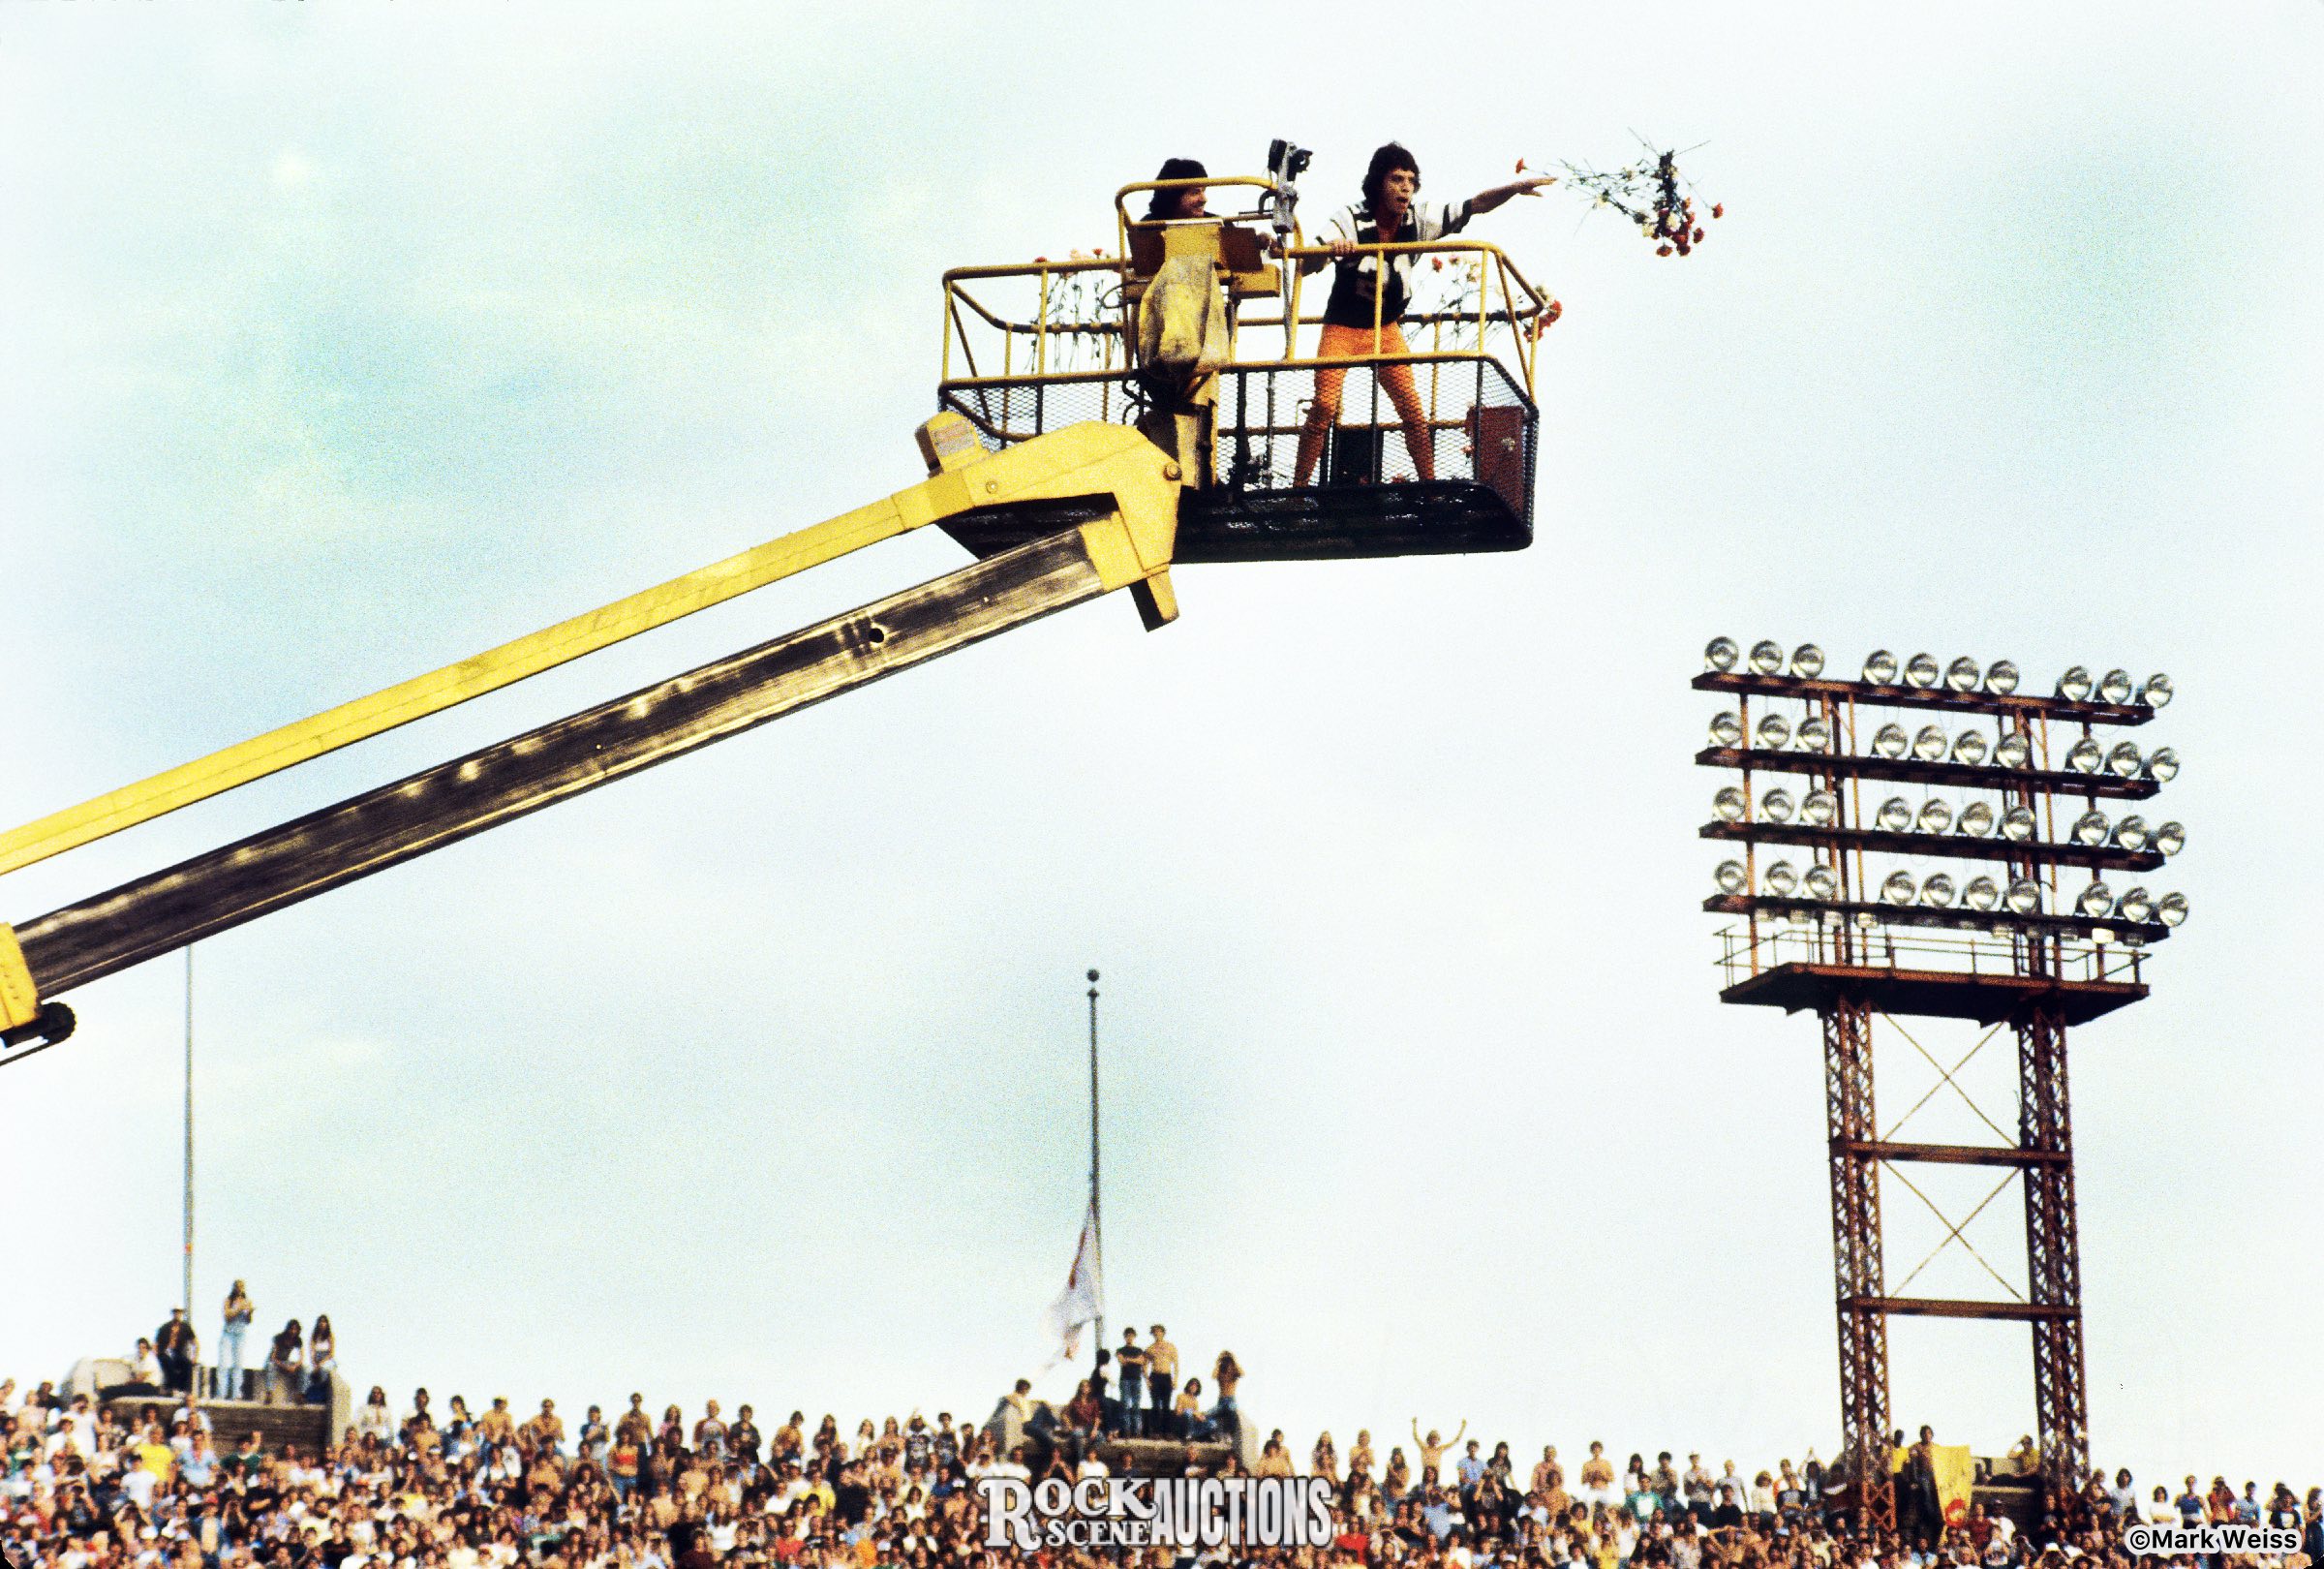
x=1131 y=1360
x=1375 y=287
x=1227 y=1374
x=1161 y=1375
x=239 y=1313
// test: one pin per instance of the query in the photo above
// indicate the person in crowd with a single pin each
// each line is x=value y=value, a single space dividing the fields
x=239 y=1313
x=1396 y=1481
x=375 y=1421
x=1374 y=287
x=1085 y=1421
x=322 y=1358
x=1432 y=1449
x=145 y=1370
x=710 y=1433
x=176 y=1350
x=1188 y=1420
x=545 y=1431
x=285 y=1364
x=1226 y=1375
x=1597 y=1477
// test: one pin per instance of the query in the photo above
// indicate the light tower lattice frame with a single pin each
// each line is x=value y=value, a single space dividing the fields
x=2000 y=963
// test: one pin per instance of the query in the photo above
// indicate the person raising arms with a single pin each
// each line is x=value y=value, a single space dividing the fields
x=1432 y=1448
x=1371 y=286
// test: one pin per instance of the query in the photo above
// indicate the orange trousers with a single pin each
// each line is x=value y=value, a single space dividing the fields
x=1344 y=342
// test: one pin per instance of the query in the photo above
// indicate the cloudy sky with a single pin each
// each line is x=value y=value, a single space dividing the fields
x=345 y=338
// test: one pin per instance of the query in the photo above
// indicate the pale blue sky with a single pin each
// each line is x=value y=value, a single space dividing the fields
x=343 y=339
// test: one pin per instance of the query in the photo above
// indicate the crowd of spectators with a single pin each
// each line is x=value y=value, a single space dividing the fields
x=137 y=1485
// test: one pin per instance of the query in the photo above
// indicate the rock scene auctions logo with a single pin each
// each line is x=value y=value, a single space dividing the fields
x=1135 y=1512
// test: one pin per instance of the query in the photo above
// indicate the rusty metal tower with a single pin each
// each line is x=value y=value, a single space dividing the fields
x=1860 y=930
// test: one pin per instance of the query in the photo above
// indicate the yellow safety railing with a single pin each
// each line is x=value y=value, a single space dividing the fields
x=1021 y=337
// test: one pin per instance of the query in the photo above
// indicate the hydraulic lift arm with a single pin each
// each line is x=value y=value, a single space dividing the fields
x=1128 y=546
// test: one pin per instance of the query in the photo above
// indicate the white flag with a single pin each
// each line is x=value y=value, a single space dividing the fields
x=1080 y=1301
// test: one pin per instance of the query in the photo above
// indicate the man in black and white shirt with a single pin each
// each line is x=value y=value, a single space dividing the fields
x=1371 y=290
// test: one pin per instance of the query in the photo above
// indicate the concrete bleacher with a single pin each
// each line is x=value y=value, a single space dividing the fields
x=1138 y=1456
x=310 y=1427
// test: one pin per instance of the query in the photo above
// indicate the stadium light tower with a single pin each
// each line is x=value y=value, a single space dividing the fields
x=1968 y=902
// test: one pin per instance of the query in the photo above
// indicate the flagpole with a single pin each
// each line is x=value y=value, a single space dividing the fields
x=188 y=1262
x=1097 y=1224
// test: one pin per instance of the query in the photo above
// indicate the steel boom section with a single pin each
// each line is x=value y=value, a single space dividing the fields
x=395 y=822
x=1080 y=460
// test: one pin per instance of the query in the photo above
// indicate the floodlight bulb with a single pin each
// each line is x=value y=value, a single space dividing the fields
x=1920 y=671
x=2114 y=687
x=1880 y=668
x=2123 y=760
x=2086 y=757
x=1781 y=881
x=1891 y=741
x=2024 y=897
x=2156 y=693
x=1962 y=674
x=1936 y=817
x=1727 y=730
x=2170 y=838
x=2018 y=825
x=1937 y=891
x=1732 y=879
x=1775 y=732
x=2090 y=829
x=1820 y=807
x=2074 y=685
x=2096 y=901
x=2162 y=766
x=2001 y=678
x=2012 y=750
x=1899 y=888
x=1720 y=654
x=1930 y=744
x=1767 y=657
x=1807 y=662
x=2131 y=834
x=1729 y=804
x=1866 y=920
x=2171 y=908
x=1813 y=734
x=1777 y=806
x=1895 y=815
x=1970 y=748
x=1822 y=882
x=1981 y=893
x=2136 y=905
x=1975 y=820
